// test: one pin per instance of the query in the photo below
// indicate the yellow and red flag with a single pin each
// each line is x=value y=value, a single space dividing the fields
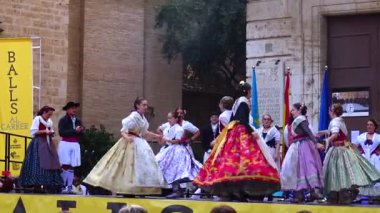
x=286 y=108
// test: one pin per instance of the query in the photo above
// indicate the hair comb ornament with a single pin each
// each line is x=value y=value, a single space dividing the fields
x=241 y=83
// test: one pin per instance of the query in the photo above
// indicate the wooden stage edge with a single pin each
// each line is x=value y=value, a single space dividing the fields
x=32 y=203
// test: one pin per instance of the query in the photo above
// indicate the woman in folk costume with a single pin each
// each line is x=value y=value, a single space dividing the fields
x=288 y=140
x=191 y=131
x=225 y=106
x=272 y=138
x=188 y=127
x=41 y=165
x=129 y=167
x=368 y=141
x=344 y=167
x=302 y=167
x=175 y=160
x=240 y=165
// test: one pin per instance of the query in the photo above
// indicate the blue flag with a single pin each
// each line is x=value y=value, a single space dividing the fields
x=255 y=103
x=324 y=117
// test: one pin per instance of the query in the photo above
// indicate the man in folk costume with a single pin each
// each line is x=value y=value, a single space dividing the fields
x=209 y=133
x=70 y=128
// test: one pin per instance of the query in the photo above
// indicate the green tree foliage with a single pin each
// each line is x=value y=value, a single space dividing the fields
x=94 y=144
x=210 y=35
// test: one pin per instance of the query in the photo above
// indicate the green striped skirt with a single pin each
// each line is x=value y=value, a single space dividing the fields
x=345 y=168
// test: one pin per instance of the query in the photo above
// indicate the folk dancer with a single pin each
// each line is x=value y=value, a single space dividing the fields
x=70 y=128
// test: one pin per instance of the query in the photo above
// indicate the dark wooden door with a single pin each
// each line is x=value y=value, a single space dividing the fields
x=353 y=60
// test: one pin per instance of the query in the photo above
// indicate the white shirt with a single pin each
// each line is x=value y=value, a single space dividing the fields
x=174 y=132
x=214 y=127
x=73 y=119
x=135 y=122
x=224 y=117
x=368 y=149
x=186 y=125
x=36 y=125
x=271 y=133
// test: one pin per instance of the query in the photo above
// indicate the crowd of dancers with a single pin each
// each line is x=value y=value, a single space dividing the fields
x=240 y=162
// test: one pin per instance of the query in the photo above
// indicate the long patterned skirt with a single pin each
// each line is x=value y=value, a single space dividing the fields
x=345 y=168
x=128 y=168
x=32 y=173
x=177 y=163
x=302 y=167
x=238 y=167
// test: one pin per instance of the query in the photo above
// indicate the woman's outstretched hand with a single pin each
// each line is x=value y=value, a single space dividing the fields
x=320 y=146
x=255 y=135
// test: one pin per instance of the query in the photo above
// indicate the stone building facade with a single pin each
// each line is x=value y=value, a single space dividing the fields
x=101 y=53
x=300 y=34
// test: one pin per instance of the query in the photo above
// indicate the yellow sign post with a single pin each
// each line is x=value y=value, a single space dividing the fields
x=16 y=97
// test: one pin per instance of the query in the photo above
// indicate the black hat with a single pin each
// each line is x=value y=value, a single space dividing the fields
x=216 y=112
x=70 y=105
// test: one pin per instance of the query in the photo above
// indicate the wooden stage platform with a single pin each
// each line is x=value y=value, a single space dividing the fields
x=27 y=203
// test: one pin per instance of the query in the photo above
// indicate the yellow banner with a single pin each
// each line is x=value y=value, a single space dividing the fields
x=74 y=204
x=16 y=97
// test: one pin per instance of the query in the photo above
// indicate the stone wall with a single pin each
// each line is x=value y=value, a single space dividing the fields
x=49 y=20
x=75 y=50
x=113 y=60
x=101 y=53
x=294 y=31
x=122 y=60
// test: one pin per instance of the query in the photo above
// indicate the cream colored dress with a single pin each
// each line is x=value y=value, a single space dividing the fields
x=129 y=168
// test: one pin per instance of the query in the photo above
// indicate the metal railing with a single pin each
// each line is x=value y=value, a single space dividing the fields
x=8 y=158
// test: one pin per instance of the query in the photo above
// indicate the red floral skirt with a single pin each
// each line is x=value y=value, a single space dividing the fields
x=239 y=168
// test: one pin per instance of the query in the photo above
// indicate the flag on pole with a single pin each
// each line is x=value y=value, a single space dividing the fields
x=286 y=97
x=286 y=108
x=255 y=103
x=324 y=118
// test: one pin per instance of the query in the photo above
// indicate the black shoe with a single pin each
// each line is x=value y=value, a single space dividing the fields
x=332 y=197
x=345 y=197
x=226 y=198
x=315 y=194
x=174 y=195
x=299 y=197
x=128 y=196
x=354 y=193
x=38 y=190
